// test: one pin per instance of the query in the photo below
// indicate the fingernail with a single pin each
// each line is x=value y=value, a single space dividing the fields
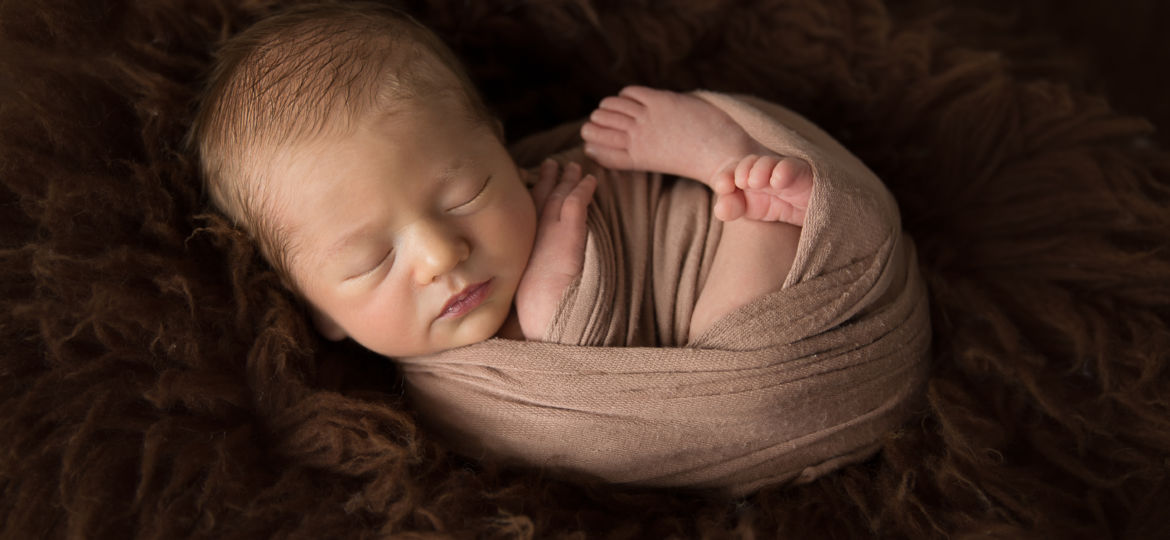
x=590 y=150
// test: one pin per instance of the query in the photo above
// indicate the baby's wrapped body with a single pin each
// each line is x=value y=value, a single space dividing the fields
x=788 y=387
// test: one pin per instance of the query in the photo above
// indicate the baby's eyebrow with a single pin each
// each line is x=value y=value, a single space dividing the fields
x=451 y=171
x=350 y=238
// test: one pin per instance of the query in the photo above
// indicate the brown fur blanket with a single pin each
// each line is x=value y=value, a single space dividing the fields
x=156 y=382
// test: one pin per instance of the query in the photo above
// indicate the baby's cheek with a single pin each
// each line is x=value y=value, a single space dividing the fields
x=518 y=223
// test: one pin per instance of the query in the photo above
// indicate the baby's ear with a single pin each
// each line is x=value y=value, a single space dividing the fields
x=326 y=325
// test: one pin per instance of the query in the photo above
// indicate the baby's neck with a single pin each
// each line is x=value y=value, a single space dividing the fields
x=511 y=327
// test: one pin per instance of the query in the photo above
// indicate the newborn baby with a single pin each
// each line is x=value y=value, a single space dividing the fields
x=763 y=324
x=348 y=141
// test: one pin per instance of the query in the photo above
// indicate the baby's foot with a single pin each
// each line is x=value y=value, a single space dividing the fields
x=764 y=188
x=657 y=130
x=662 y=131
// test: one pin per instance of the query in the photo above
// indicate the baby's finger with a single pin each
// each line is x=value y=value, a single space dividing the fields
x=544 y=183
x=569 y=178
x=573 y=211
x=556 y=199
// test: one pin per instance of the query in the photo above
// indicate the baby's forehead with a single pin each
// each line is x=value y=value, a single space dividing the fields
x=270 y=162
x=292 y=169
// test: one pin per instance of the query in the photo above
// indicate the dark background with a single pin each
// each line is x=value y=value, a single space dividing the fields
x=1120 y=49
x=157 y=382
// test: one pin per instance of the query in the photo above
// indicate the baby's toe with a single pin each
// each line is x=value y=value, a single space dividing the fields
x=790 y=172
x=612 y=119
x=760 y=175
x=742 y=170
x=723 y=182
x=642 y=94
x=730 y=207
x=613 y=158
x=623 y=105
x=597 y=134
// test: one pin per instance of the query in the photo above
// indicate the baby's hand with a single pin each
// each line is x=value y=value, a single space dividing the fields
x=559 y=250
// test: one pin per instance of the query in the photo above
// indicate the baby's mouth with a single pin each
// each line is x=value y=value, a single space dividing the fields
x=466 y=300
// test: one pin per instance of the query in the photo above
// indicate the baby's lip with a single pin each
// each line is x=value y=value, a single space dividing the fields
x=466 y=300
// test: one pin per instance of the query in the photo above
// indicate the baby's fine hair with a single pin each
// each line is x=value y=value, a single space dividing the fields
x=303 y=72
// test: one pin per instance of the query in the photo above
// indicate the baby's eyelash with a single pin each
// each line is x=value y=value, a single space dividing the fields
x=376 y=266
x=383 y=260
x=478 y=194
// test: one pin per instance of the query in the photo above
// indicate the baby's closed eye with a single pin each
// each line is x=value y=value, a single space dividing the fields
x=369 y=268
x=476 y=197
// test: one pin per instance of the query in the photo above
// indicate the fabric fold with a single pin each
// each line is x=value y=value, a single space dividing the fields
x=786 y=388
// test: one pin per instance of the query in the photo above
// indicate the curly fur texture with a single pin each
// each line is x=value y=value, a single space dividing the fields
x=157 y=382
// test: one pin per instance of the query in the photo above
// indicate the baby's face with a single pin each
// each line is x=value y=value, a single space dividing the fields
x=410 y=234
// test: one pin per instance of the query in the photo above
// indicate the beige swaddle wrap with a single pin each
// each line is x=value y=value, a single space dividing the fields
x=785 y=388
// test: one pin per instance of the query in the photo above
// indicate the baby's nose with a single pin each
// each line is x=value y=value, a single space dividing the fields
x=440 y=249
